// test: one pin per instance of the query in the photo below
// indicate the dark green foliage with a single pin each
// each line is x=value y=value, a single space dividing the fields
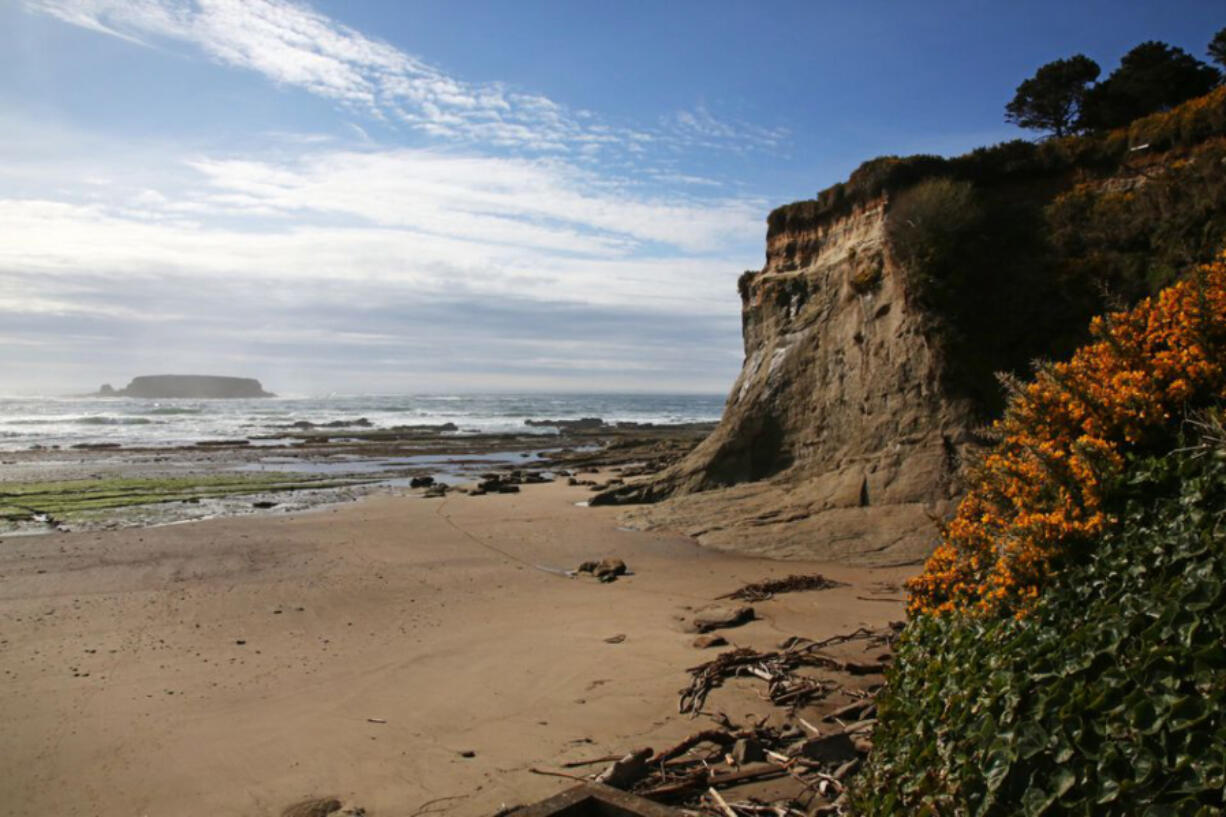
x=1152 y=77
x=1051 y=100
x=1109 y=699
x=1187 y=126
x=1011 y=257
x=978 y=262
x=1132 y=242
x=928 y=221
x=1217 y=48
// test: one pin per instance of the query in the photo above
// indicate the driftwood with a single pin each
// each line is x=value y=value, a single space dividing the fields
x=720 y=736
x=783 y=686
x=697 y=772
x=763 y=590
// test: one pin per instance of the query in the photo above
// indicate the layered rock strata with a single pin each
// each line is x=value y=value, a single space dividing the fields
x=837 y=440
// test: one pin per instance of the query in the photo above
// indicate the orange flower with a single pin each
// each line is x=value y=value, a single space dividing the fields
x=1041 y=491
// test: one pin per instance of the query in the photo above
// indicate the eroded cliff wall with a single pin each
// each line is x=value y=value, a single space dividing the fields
x=837 y=440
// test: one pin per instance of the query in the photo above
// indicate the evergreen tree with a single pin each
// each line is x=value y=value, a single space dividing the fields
x=1152 y=77
x=1052 y=99
x=1217 y=48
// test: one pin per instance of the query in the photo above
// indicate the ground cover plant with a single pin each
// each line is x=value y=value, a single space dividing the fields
x=1067 y=648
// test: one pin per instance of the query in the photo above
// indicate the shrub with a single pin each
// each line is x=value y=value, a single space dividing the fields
x=1184 y=126
x=1109 y=699
x=930 y=219
x=1040 y=494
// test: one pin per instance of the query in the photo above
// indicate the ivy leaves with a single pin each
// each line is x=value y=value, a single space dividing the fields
x=1109 y=699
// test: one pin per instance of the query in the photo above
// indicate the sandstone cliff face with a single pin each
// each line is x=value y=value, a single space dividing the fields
x=836 y=441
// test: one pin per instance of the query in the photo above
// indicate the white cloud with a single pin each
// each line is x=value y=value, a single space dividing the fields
x=491 y=200
x=294 y=45
x=700 y=128
x=507 y=253
x=436 y=224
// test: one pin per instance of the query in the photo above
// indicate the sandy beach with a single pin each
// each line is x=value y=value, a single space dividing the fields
x=235 y=666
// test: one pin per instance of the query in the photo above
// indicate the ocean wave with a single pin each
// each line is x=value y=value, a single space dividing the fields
x=81 y=421
x=174 y=410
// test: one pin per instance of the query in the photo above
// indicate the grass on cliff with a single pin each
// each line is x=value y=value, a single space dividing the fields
x=63 y=499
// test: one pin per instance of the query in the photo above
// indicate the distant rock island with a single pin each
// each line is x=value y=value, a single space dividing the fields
x=192 y=386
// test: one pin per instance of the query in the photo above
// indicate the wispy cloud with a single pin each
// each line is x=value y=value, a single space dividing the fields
x=517 y=241
x=294 y=45
x=508 y=267
x=699 y=127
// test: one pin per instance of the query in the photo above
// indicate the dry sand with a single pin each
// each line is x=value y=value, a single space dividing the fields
x=229 y=667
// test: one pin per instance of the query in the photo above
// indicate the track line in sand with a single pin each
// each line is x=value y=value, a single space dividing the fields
x=557 y=571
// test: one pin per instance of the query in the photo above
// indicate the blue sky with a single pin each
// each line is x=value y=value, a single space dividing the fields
x=429 y=196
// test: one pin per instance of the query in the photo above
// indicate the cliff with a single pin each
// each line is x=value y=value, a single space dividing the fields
x=886 y=307
x=837 y=440
x=190 y=386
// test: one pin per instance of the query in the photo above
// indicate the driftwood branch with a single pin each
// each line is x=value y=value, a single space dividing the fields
x=763 y=590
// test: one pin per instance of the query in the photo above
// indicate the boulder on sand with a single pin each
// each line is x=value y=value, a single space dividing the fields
x=606 y=570
x=718 y=617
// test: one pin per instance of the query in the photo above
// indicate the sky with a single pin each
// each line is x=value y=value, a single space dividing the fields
x=420 y=197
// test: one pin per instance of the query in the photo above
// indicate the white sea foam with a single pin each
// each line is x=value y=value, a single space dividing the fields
x=66 y=421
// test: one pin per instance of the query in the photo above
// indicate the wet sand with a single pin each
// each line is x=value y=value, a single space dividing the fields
x=232 y=666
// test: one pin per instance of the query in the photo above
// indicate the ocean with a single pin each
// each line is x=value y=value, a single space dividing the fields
x=67 y=421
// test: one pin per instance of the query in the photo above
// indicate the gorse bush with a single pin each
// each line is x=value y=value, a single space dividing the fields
x=1039 y=496
x=1067 y=648
x=1108 y=699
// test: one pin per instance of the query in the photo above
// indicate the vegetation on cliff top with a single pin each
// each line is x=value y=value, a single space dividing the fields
x=1099 y=516
x=1063 y=98
x=1041 y=494
x=1092 y=154
x=1011 y=250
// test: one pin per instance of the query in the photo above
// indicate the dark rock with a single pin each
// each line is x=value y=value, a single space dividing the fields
x=707 y=641
x=718 y=617
x=832 y=749
x=498 y=484
x=747 y=751
x=467 y=753
x=421 y=482
x=192 y=386
x=436 y=490
x=264 y=504
x=582 y=424
x=606 y=570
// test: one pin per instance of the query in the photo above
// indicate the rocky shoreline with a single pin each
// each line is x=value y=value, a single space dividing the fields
x=320 y=464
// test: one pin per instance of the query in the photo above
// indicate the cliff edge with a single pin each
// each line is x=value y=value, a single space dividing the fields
x=188 y=386
x=875 y=330
x=837 y=440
